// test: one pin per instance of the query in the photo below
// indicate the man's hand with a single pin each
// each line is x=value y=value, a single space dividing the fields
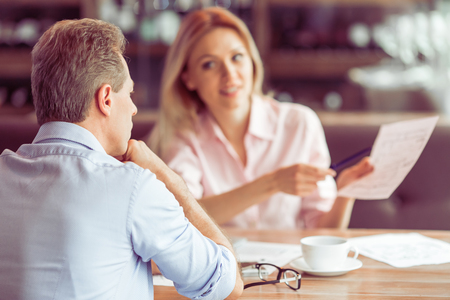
x=139 y=153
x=349 y=175
x=300 y=179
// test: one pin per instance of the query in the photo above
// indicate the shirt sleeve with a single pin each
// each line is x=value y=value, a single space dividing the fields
x=199 y=268
x=322 y=200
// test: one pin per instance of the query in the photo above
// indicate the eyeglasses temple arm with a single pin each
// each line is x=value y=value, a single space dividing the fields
x=261 y=283
x=271 y=282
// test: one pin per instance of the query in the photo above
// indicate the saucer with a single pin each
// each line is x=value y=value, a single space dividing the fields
x=349 y=265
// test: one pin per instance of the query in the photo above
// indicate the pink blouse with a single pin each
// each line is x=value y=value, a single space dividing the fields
x=279 y=135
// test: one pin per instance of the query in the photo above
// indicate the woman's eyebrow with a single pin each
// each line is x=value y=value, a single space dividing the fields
x=236 y=49
x=205 y=56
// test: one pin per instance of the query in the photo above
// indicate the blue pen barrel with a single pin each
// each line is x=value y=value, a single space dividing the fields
x=349 y=159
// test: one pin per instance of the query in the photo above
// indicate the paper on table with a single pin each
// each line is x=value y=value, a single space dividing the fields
x=261 y=252
x=395 y=151
x=161 y=280
x=403 y=250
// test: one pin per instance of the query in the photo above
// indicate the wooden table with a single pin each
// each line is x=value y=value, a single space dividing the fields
x=374 y=280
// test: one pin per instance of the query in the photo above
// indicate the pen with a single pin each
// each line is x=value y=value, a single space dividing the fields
x=343 y=162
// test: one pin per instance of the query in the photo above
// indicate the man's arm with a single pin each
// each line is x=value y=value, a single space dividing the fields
x=139 y=153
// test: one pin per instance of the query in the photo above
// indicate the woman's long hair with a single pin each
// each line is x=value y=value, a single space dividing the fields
x=179 y=107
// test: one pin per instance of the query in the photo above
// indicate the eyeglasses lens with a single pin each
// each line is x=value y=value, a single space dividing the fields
x=263 y=272
x=293 y=282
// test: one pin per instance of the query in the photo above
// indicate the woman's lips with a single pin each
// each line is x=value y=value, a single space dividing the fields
x=231 y=91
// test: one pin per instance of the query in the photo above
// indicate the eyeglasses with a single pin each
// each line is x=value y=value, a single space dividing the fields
x=290 y=277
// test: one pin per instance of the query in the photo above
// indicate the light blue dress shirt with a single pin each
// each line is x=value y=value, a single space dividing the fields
x=75 y=223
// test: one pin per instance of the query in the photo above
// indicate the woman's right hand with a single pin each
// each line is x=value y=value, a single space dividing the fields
x=300 y=179
x=353 y=173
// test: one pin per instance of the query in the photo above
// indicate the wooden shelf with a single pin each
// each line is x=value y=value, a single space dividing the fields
x=386 y=3
x=88 y=8
x=368 y=118
x=41 y=3
x=9 y=112
x=141 y=48
x=15 y=63
x=306 y=64
x=319 y=64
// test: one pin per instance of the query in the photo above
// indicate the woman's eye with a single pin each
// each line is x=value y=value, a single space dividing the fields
x=238 y=57
x=208 y=65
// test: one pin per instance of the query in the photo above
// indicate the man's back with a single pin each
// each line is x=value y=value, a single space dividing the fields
x=76 y=223
x=76 y=201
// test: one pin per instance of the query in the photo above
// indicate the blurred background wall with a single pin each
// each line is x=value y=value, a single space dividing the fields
x=332 y=55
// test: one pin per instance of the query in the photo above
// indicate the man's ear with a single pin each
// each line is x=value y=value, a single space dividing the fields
x=104 y=100
x=187 y=82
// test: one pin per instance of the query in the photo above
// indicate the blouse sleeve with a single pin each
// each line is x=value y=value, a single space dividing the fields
x=322 y=200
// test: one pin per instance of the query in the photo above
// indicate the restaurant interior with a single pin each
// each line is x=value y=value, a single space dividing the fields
x=357 y=63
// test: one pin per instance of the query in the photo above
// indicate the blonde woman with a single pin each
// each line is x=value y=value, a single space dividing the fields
x=251 y=161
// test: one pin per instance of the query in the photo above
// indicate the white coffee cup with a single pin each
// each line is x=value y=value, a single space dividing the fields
x=324 y=252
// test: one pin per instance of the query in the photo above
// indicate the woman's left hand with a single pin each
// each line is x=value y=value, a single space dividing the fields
x=349 y=175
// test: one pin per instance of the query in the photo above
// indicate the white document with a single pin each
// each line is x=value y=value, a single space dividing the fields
x=161 y=280
x=394 y=153
x=259 y=252
x=403 y=250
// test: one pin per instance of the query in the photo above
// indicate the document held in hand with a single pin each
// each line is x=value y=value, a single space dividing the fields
x=394 y=153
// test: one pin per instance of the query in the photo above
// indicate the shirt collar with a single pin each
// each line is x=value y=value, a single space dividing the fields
x=263 y=118
x=262 y=124
x=212 y=129
x=68 y=132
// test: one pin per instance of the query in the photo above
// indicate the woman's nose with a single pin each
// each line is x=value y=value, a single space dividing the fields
x=229 y=70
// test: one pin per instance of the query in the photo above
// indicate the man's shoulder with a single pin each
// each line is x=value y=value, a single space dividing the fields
x=89 y=167
x=67 y=154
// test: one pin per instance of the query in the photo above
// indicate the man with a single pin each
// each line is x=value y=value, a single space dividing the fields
x=77 y=223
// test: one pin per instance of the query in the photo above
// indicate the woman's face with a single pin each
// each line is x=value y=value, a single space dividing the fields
x=220 y=70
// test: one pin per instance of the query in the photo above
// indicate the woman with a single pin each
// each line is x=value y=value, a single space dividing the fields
x=250 y=160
